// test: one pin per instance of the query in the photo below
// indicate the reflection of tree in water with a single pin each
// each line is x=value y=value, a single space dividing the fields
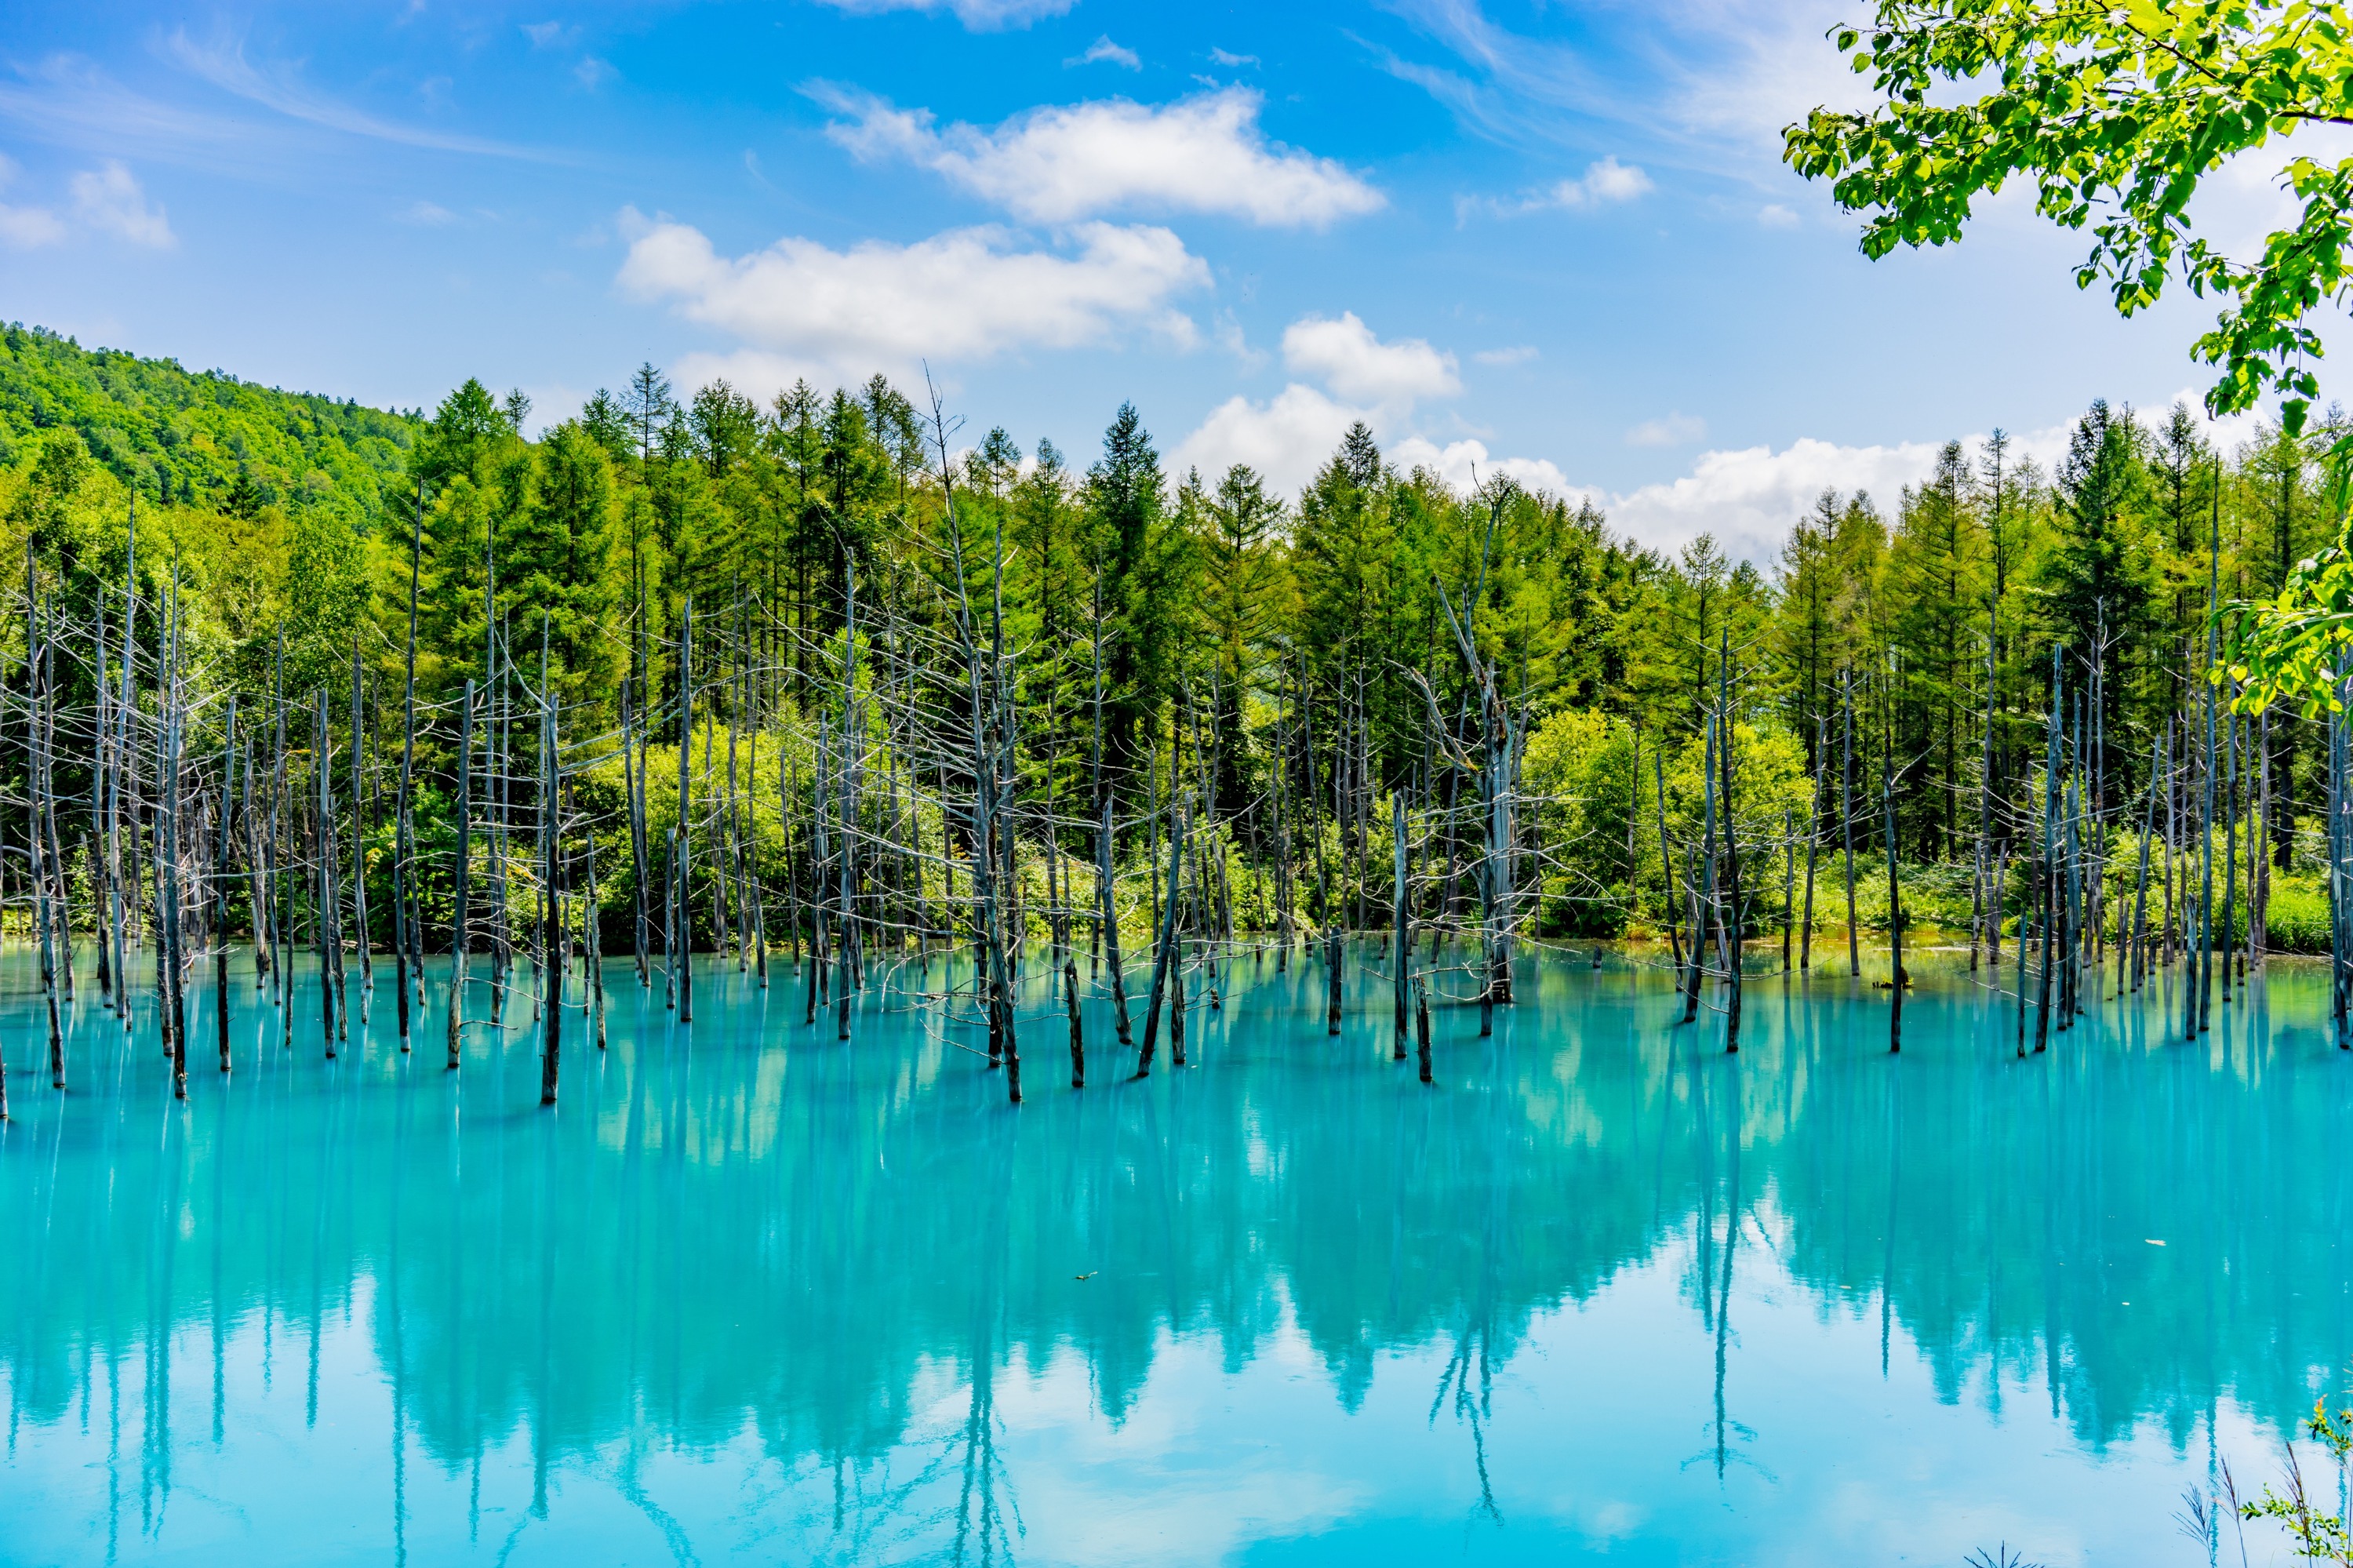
x=1715 y=1079
x=1471 y=1359
x=1471 y=1408
x=711 y=1244
x=984 y=1525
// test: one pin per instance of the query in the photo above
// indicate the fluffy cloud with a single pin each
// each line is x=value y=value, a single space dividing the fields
x=108 y=198
x=977 y=16
x=964 y=295
x=1465 y=464
x=1601 y=185
x=1057 y=164
x=1357 y=366
x=1286 y=440
x=1747 y=498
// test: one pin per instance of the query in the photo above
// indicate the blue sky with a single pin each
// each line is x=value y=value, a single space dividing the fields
x=1552 y=238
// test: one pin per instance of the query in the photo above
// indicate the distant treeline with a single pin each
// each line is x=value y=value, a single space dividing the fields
x=1232 y=626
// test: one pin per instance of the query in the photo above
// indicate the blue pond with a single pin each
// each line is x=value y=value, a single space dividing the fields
x=752 y=1294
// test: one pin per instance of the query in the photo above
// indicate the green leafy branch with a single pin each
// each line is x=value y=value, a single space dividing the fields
x=2117 y=112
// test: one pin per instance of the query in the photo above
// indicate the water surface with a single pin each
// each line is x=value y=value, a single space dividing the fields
x=751 y=1293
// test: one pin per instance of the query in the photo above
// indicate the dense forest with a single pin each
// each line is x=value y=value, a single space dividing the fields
x=904 y=650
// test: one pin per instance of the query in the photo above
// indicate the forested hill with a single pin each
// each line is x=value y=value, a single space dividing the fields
x=198 y=439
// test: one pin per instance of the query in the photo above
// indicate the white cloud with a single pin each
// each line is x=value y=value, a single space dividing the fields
x=278 y=87
x=1055 y=164
x=1747 y=498
x=1466 y=463
x=1102 y=50
x=548 y=35
x=1231 y=61
x=593 y=73
x=1601 y=184
x=26 y=228
x=1286 y=440
x=1606 y=183
x=108 y=198
x=966 y=294
x=1773 y=215
x=1518 y=353
x=1360 y=367
x=1675 y=430
x=1291 y=435
x=1227 y=334
x=1759 y=64
x=429 y=215
x=977 y=16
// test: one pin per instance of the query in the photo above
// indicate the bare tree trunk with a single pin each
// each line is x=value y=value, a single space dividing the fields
x=358 y=841
x=1895 y=911
x=552 y=1051
x=220 y=889
x=460 y=928
x=1846 y=811
x=682 y=846
x=1164 y=952
x=1401 y=922
x=1107 y=894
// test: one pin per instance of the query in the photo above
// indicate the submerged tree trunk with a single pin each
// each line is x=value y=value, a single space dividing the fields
x=1164 y=951
x=462 y=877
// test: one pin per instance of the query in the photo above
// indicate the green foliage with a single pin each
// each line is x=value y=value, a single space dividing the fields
x=2115 y=113
x=2319 y=1534
x=1234 y=628
x=196 y=440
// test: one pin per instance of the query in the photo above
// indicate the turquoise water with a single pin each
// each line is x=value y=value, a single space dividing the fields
x=749 y=1294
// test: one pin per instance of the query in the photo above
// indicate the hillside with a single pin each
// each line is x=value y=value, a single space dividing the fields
x=202 y=440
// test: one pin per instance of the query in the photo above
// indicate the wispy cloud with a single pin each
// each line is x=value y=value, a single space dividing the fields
x=1103 y=52
x=25 y=228
x=1607 y=182
x=29 y=227
x=1703 y=83
x=1507 y=86
x=1676 y=429
x=277 y=88
x=1203 y=154
x=110 y=199
x=977 y=16
x=1231 y=61
x=1518 y=353
x=67 y=100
